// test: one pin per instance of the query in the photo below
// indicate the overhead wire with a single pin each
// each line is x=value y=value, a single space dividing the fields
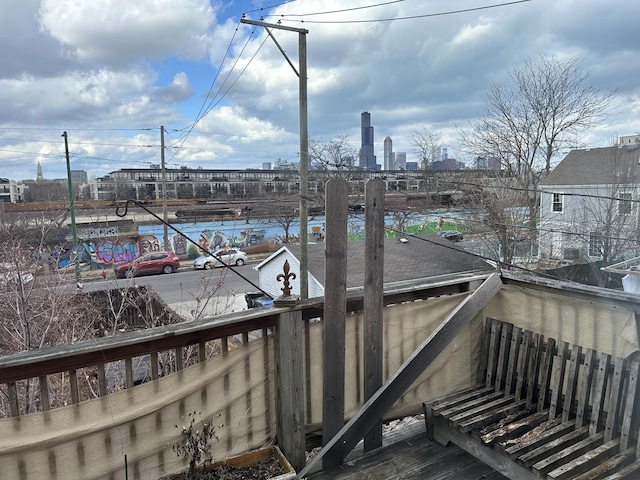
x=393 y=19
x=212 y=102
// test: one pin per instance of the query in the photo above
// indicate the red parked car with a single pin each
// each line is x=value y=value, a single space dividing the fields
x=154 y=262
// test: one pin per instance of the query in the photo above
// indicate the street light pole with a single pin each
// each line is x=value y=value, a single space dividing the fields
x=74 y=234
x=304 y=143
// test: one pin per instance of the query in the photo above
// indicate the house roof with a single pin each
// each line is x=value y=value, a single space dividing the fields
x=596 y=166
x=421 y=256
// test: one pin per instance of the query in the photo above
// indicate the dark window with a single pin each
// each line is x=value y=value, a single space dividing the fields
x=596 y=244
x=624 y=204
x=557 y=202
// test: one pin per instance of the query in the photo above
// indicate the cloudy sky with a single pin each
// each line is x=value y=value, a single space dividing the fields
x=111 y=72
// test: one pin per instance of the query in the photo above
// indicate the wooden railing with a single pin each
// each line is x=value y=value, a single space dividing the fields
x=187 y=343
x=82 y=369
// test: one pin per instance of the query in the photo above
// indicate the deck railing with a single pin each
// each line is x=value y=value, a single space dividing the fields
x=262 y=378
x=32 y=380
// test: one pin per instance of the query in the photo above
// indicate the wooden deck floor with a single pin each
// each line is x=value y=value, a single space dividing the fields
x=407 y=454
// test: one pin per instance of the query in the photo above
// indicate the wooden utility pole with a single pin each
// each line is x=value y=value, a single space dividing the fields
x=165 y=237
x=304 y=143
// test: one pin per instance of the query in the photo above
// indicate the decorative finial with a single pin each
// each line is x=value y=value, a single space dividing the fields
x=285 y=277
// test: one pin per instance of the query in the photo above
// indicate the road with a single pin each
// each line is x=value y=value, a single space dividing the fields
x=210 y=291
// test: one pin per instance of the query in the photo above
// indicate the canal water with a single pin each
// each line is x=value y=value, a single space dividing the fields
x=236 y=229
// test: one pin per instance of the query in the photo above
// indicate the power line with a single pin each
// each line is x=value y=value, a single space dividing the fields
x=342 y=10
x=205 y=109
x=393 y=19
x=530 y=190
x=269 y=7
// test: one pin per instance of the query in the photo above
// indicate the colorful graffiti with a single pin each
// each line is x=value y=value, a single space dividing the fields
x=211 y=241
x=113 y=251
x=179 y=245
x=116 y=251
x=149 y=243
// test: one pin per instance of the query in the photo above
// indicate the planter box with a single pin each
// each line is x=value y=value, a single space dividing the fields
x=249 y=458
x=246 y=460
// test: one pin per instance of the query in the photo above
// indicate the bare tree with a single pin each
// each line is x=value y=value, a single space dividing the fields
x=47 y=191
x=528 y=121
x=336 y=156
x=503 y=230
x=562 y=101
x=425 y=143
x=285 y=215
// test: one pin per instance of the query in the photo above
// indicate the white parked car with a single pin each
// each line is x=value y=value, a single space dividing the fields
x=220 y=258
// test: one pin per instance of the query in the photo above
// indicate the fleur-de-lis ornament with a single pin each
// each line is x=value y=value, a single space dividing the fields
x=285 y=277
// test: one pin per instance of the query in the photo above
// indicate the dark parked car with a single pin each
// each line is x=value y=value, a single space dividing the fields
x=154 y=262
x=257 y=299
x=452 y=235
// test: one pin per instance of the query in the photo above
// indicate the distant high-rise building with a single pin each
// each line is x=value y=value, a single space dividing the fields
x=39 y=176
x=388 y=154
x=488 y=163
x=367 y=156
x=79 y=176
x=266 y=165
x=399 y=160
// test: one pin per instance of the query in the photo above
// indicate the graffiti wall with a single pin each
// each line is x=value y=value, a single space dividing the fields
x=108 y=251
x=114 y=251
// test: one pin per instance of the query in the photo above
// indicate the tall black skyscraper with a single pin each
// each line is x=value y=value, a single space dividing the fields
x=367 y=157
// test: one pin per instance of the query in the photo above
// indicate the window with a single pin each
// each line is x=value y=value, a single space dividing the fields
x=624 y=204
x=596 y=244
x=557 y=202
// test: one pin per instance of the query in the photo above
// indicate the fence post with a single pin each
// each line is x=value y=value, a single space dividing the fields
x=335 y=306
x=290 y=387
x=373 y=299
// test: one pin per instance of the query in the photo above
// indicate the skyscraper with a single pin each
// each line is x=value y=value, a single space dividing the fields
x=367 y=156
x=388 y=154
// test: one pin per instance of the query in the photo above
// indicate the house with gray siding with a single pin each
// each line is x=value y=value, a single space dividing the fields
x=589 y=205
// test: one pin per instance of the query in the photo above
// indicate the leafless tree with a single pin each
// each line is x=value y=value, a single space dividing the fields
x=528 y=121
x=503 y=229
x=564 y=104
x=284 y=215
x=336 y=159
x=336 y=156
x=47 y=191
x=425 y=145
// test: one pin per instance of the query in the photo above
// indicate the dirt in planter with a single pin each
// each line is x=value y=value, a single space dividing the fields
x=262 y=470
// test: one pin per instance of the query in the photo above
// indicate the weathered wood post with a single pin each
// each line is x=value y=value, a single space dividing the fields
x=373 y=298
x=289 y=349
x=335 y=306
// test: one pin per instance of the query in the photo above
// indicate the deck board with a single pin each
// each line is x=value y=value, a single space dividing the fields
x=408 y=454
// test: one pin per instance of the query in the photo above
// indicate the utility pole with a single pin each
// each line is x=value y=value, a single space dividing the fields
x=74 y=233
x=165 y=237
x=304 y=143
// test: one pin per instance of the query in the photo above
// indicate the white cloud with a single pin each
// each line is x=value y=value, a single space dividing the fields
x=473 y=33
x=178 y=90
x=116 y=32
x=118 y=64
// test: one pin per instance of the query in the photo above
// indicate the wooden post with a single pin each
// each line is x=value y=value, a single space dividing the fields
x=373 y=299
x=290 y=387
x=365 y=419
x=335 y=306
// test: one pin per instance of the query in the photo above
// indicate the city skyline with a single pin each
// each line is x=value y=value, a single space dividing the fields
x=228 y=97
